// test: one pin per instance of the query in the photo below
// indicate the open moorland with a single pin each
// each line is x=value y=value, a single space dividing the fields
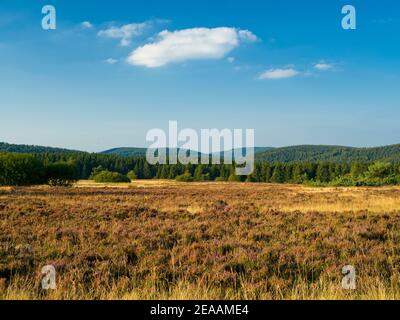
x=170 y=240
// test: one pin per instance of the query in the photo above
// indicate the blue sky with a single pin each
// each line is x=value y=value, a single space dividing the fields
x=286 y=69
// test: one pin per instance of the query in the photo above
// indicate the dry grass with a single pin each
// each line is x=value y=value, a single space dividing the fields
x=170 y=240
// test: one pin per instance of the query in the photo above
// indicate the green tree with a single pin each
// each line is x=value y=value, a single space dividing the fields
x=96 y=171
x=132 y=175
x=62 y=173
x=379 y=170
x=323 y=174
x=279 y=173
x=21 y=169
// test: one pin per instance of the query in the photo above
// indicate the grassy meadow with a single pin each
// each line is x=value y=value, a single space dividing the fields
x=169 y=240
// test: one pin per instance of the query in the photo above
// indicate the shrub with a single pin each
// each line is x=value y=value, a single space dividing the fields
x=109 y=176
x=61 y=173
x=378 y=170
x=220 y=179
x=21 y=169
x=234 y=178
x=132 y=175
x=186 y=177
x=96 y=171
x=345 y=181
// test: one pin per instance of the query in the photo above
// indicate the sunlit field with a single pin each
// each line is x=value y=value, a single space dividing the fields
x=171 y=240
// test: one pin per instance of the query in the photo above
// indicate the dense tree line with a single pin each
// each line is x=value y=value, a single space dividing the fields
x=311 y=153
x=330 y=153
x=23 y=148
x=17 y=169
x=24 y=169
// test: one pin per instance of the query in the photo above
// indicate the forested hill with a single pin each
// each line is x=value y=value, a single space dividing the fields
x=22 y=148
x=330 y=153
x=126 y=152
x=287 y=154
x=129 y=152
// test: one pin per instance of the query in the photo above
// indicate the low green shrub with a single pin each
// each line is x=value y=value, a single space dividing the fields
x=186 y=177
x=109 y=176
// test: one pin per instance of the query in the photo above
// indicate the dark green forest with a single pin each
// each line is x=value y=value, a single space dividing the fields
x=330 y=153
x=338 y=154
x=64 y=168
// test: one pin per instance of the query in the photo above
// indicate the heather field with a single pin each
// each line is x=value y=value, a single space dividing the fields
x=170 y=240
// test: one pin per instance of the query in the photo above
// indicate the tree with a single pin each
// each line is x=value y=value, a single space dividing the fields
x=132 y=175
x=379 y=170
x=323 y=174
x=200 y=174
x=279 y=174
x=299 y=173
x=266 y=172
x=357 y=169
x=96 y=171
x=21 y=169
x=147 y=174
x=61 y=173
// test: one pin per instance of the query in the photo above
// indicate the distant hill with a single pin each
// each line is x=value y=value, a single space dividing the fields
x=127 y=152
x=286 y=154
x=22 y=148
x=330 y=153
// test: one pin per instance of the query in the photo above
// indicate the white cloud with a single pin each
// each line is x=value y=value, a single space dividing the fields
x=125 y=33
x=278 y=74
x=111 y=61
x=86 y=25
x=246 y=35
x=231 y=59
x=322 y=66
x=189 y=44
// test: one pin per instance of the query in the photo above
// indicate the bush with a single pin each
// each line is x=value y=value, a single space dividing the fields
x=20 y=169
x=112 y=177
x=234 y=178
x=186 y=177
x=220 y=179
x=96 y=171
x=132 y=175
x=378 y=170
x=345 y=181
x=61 y=173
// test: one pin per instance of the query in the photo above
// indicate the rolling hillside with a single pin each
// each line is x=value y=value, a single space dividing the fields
x=330 y=153
x=285 y=154
x=126 y=152
x=22 y=148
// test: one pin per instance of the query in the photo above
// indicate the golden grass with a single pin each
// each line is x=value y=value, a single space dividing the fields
x=171 y=240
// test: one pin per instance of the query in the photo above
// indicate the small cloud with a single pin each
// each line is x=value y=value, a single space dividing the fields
x=322 y=66
x=125 y=32
x=111 y=61
x=86 y=25
x=273 y=74
x=231 y=59
x=189 y=44
x=246 y=35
